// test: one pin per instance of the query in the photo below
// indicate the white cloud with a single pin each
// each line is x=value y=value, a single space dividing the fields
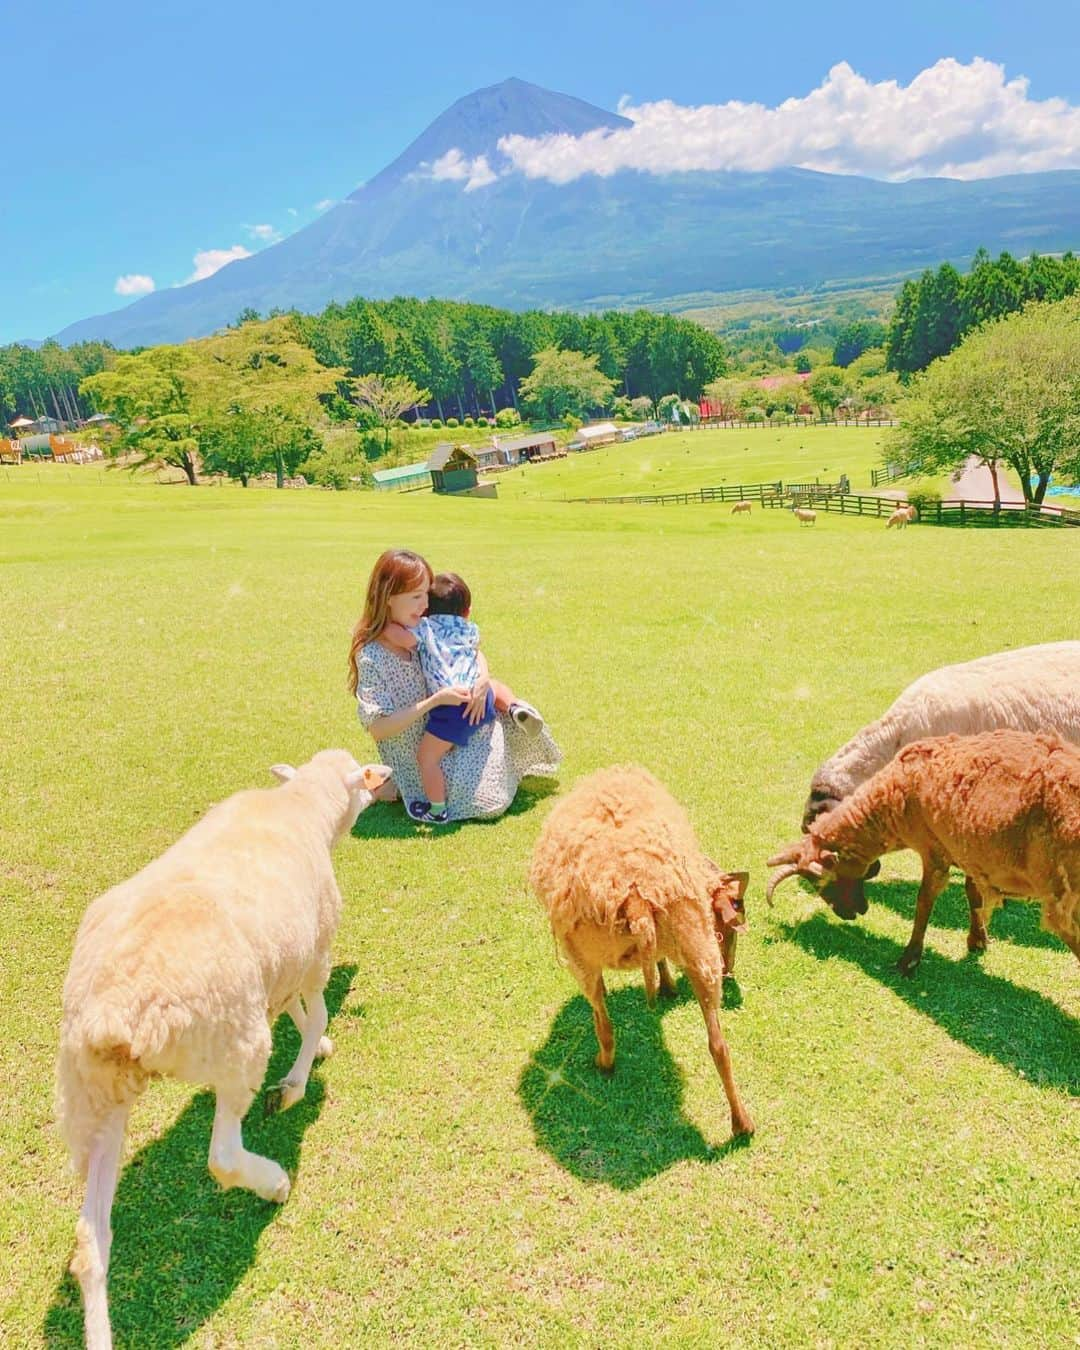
x=211 y=260
x=325 y=204
x=134 y=283
x=952 y=120
x=265 y=234
x=453 y=166
x=292 y=210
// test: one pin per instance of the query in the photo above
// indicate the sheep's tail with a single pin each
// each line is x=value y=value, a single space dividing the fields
x=639 y=918
x=94 y=1096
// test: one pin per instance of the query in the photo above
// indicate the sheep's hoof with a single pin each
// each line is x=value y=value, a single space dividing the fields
x=909 y=963
x=275 y=1186
x=605 y=1065
x=742 y=1128
x=281 y=1097
x=272 y=1101
x=326 y=1048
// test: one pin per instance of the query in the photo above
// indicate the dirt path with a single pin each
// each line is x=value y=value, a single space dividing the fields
x=974 y=483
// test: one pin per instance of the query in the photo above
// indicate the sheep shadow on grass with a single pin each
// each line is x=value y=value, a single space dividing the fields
x=622 y=1128
x=1017 y=921
x=1018 y=1027
x=181 y=1245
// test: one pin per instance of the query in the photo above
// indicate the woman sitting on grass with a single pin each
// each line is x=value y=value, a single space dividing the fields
x=393 y=701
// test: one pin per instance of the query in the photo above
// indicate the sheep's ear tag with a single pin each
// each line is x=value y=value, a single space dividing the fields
x=283 y=772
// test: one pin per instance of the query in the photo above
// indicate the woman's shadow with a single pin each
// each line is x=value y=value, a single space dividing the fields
x=387 y=820
x=1018 y=1027
x=625 y=1127
x=181 y=1245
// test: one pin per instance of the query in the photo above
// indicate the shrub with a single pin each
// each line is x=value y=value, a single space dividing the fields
x=335 y=465
x=923 y=496
x=508 y=417
x=436 y=424
x=468 y=422
x=452 y=422
x=482 y=422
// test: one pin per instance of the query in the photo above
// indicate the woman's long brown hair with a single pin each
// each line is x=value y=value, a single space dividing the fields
x=395 y=571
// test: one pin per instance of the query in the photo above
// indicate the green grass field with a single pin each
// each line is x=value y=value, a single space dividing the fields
x=462 y=1174
x=694 y=459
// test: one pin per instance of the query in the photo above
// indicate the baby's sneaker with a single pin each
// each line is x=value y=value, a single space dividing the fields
x=437 y=817
x=527 y=718
x=417 y=809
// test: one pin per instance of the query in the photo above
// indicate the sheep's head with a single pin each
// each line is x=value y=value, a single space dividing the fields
x=838 y=880
x=361 y=781
x=726 y=891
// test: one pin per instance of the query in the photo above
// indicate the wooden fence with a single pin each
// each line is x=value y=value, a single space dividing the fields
x=952 y=511
x=765 y=493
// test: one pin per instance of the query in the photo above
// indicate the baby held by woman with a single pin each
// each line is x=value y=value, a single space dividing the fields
x=447 y=646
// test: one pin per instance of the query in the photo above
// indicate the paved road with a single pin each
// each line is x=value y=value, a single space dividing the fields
x=975 y=484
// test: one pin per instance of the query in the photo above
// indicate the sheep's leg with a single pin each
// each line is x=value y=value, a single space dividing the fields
x=708 y=998
x=978 y=937
x=294 y=1084
x=934 y=879
x=298 y=1013
x=93 y=1232
x=667 y=980
x=592 y=985
x=230 y=1162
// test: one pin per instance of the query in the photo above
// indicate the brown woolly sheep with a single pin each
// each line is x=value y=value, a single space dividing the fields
x=625 y=884
x=1004 y=806
x=804 y=515
x=740 y=508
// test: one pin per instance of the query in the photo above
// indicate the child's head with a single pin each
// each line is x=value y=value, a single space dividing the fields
x=449 y=595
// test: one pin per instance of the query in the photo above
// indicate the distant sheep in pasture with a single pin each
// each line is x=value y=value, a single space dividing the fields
x=741 y=508
x=804 y=515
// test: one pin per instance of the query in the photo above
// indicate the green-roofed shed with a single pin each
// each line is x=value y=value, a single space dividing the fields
x=402 y=478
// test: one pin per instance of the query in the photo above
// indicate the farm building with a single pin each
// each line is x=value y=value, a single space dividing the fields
x=454 y=469
x=599 y=433
x=403 y=478
x=521 y=449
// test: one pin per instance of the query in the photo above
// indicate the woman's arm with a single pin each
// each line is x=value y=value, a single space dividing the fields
x=392 y=724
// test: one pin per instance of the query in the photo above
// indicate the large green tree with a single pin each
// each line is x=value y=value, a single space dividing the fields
x=385 y=398
x=1010 y=392
x=565 y=382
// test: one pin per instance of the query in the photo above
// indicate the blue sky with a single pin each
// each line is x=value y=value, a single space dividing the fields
x=141 y=136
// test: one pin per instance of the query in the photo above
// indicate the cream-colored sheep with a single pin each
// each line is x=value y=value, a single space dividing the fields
x=183 y=969
x=804 y=515
x=903 y=515
x=741 y=508
x=625 y=883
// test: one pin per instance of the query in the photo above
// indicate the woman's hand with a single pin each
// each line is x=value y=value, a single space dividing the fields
x=474 y=710
x=453 y=696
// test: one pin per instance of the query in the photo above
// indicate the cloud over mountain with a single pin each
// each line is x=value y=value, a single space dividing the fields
x=951 y=121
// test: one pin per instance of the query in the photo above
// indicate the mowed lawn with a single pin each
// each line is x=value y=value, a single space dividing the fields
x=462 y=1173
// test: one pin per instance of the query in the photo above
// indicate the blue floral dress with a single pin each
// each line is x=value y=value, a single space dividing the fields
x=482 y=776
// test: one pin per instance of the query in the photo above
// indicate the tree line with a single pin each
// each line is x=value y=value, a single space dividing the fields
x=44 y=381
x=935 y=313
x=473 y=359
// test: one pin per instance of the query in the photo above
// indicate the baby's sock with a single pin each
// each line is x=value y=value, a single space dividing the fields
x=437 y=808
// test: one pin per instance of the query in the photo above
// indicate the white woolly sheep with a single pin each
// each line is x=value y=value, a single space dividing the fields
x=804 y=515
x=1003 y=805
x=183 y=969
x=625 y=884
x=903 y=515
x=740 y=508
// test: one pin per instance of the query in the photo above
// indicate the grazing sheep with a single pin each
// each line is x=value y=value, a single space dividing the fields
x=804 y=515
x=741 y=507
x=183 y=969
x=903 y=515
x=1030 y=689
x=625 y=884
x=1002 y=805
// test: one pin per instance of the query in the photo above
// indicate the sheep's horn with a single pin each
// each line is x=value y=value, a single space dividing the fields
x=790 y=870
x=786 y=855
